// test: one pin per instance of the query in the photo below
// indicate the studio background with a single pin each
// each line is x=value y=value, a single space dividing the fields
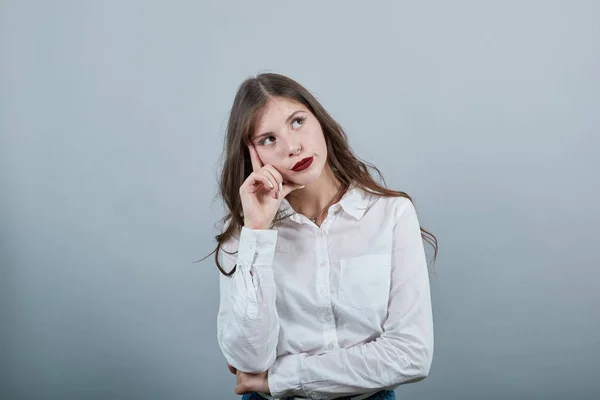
x=112 y=115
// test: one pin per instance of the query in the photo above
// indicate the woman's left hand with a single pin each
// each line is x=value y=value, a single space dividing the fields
x=248 y=383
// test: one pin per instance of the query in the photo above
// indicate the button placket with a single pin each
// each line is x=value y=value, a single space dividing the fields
x=325 y=315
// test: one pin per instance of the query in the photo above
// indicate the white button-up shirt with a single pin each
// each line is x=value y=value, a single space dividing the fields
x=338 y=310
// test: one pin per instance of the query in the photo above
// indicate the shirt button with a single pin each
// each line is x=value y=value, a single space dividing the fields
x=328 y=318
x=323 y=291
x=323 y=264
x=330 y=346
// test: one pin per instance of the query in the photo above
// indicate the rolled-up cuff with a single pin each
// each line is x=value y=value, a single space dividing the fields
x=283 y=378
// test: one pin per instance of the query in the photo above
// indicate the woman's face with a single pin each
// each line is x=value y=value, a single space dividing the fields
x=284 y=126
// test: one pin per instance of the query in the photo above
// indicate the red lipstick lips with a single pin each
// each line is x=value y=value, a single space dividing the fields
x=303 y=164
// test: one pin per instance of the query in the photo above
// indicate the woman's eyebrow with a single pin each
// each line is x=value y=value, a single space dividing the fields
x=286 y=121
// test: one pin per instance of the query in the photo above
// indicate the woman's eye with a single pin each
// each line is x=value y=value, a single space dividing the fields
x=262 y=142
x=300 y=120
x=297 y=120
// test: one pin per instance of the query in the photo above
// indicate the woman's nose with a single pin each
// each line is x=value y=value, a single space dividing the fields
x=294 y=147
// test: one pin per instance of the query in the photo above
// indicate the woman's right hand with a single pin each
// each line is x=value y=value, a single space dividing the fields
x=262 y=193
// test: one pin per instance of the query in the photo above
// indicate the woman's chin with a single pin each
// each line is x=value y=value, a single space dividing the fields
x=310 y=175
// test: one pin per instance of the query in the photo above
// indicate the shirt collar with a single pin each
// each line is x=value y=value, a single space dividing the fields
x=354 y=202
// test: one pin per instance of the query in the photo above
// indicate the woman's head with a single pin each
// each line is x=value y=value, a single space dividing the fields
x=286 y=132
x=286 y=124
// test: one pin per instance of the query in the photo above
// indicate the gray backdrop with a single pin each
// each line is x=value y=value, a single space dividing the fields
x=112 y=121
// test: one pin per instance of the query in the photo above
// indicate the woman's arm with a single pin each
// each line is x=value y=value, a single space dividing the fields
x=403 y=352
x=247 y=322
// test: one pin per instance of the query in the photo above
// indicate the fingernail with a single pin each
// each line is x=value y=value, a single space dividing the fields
x=280 y=186
x=302 y=187
x=271 y=185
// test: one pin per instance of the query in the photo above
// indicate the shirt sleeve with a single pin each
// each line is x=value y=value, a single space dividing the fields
x=401 y=354
x=247 y=321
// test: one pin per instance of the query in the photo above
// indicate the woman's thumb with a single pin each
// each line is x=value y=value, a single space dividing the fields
x=290 y=187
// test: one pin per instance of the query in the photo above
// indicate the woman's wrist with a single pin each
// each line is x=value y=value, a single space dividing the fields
x=265 y=384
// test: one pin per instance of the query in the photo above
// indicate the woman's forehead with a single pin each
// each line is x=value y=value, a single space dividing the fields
x=276 y=113
x=279 y=108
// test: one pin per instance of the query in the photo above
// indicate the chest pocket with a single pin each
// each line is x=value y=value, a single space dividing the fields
x=365 y=281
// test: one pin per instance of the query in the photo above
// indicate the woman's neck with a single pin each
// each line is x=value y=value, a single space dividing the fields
x=314 y=199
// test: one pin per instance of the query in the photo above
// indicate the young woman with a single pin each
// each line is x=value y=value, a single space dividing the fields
x=324 y=287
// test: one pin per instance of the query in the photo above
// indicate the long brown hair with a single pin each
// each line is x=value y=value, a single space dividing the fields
x=251 y=96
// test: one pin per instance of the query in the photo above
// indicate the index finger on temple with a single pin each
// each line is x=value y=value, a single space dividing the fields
x=256 y=163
